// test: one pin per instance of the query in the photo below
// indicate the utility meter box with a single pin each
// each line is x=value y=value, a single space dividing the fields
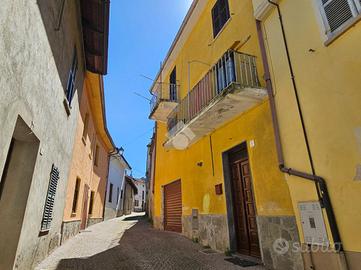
x=313 y=225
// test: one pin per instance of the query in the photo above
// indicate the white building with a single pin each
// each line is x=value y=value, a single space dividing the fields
x=115 y=186
x=140 y=197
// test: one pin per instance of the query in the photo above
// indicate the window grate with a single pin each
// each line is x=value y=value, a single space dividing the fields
x=50 y=199
x=338 y=12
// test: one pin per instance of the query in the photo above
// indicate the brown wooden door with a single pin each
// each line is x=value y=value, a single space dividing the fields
x=244 y=208
x=173 y=207
x=84 y=211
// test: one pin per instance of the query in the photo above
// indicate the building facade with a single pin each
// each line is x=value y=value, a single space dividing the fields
x=42 y=82
x=150 y=171
x=313 y=63
x=140 y=199
x=85 y=196
x=118 y=167
x=216 y=173
x=130 y=190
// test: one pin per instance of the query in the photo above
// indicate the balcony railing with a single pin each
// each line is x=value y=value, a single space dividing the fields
x=164 y=92
x=233 y=69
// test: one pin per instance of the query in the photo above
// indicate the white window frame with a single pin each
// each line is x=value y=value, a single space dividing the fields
x=355 y=6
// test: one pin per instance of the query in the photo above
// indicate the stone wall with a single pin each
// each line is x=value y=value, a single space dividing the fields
x=158 y=223
x=209 y=230
x=70 y=229
x=93 y=221
x=282 y=229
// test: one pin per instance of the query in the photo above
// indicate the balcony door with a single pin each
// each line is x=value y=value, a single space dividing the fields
x=225 y=71
x=173 y=85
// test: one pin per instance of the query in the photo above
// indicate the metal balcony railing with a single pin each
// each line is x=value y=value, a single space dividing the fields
x=164 y=92
x=237 y=69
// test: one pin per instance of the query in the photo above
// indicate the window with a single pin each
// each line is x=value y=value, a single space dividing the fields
x=86 y=123
x=50 y=199
x=142 y=195
x=173 y=85
x=121 y=194
x=337 y=13
x=76 y=195
x=117 y=195
x=110 y=192
x=91 y=203
x=220 y=15
x=136 y=203
x=96 y=155
x=70 y=88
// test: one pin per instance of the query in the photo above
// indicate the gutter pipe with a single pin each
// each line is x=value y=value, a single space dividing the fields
x=320 y=183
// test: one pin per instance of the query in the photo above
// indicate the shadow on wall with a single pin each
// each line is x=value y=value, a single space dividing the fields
x=57 y=20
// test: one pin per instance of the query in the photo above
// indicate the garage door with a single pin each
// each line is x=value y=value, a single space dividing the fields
x=173 y=207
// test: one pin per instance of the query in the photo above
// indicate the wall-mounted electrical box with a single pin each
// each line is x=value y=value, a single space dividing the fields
x=313 y=225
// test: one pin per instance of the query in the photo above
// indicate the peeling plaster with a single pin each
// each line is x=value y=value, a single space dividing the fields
x=358 y=173
x=206 y=203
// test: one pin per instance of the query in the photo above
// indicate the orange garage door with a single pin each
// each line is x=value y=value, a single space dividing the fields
x=173 y=207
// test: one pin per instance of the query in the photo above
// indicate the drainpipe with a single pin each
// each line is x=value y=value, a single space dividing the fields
x=320 y=183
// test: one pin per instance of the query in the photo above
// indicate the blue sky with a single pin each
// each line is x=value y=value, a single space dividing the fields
x=141 y=32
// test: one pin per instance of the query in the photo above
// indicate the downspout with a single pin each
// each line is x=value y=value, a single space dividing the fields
x=320 y=183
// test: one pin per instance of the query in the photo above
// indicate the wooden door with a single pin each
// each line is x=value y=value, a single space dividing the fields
x=173 y=207
x=84 y=211
x=244 y=208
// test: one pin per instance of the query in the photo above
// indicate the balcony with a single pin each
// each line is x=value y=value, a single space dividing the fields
x=164 y=101
x=229 y=88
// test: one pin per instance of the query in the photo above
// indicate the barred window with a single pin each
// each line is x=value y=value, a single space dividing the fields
x=220 y=15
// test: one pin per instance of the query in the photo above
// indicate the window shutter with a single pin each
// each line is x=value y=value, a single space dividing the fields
x=50 y=199
x=70 y=89
x=337 y=12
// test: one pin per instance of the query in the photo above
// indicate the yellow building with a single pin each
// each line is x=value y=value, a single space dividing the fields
x=312 y=50
x=216 y=173
x=86 y=191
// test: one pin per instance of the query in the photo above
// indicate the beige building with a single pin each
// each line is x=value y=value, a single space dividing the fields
x=45 y=49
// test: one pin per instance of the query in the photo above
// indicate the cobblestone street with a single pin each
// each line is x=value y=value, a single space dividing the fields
x=131 y=243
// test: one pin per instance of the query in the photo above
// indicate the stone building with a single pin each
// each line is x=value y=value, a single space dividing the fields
x=130 y=190
x=118 y=167
x=45 y=48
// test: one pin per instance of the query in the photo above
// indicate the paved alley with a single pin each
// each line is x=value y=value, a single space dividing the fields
x=131 y=243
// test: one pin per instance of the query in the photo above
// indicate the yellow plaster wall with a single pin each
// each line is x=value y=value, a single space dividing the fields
x=83 y=164
x=198 y=183
x=329 y=88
